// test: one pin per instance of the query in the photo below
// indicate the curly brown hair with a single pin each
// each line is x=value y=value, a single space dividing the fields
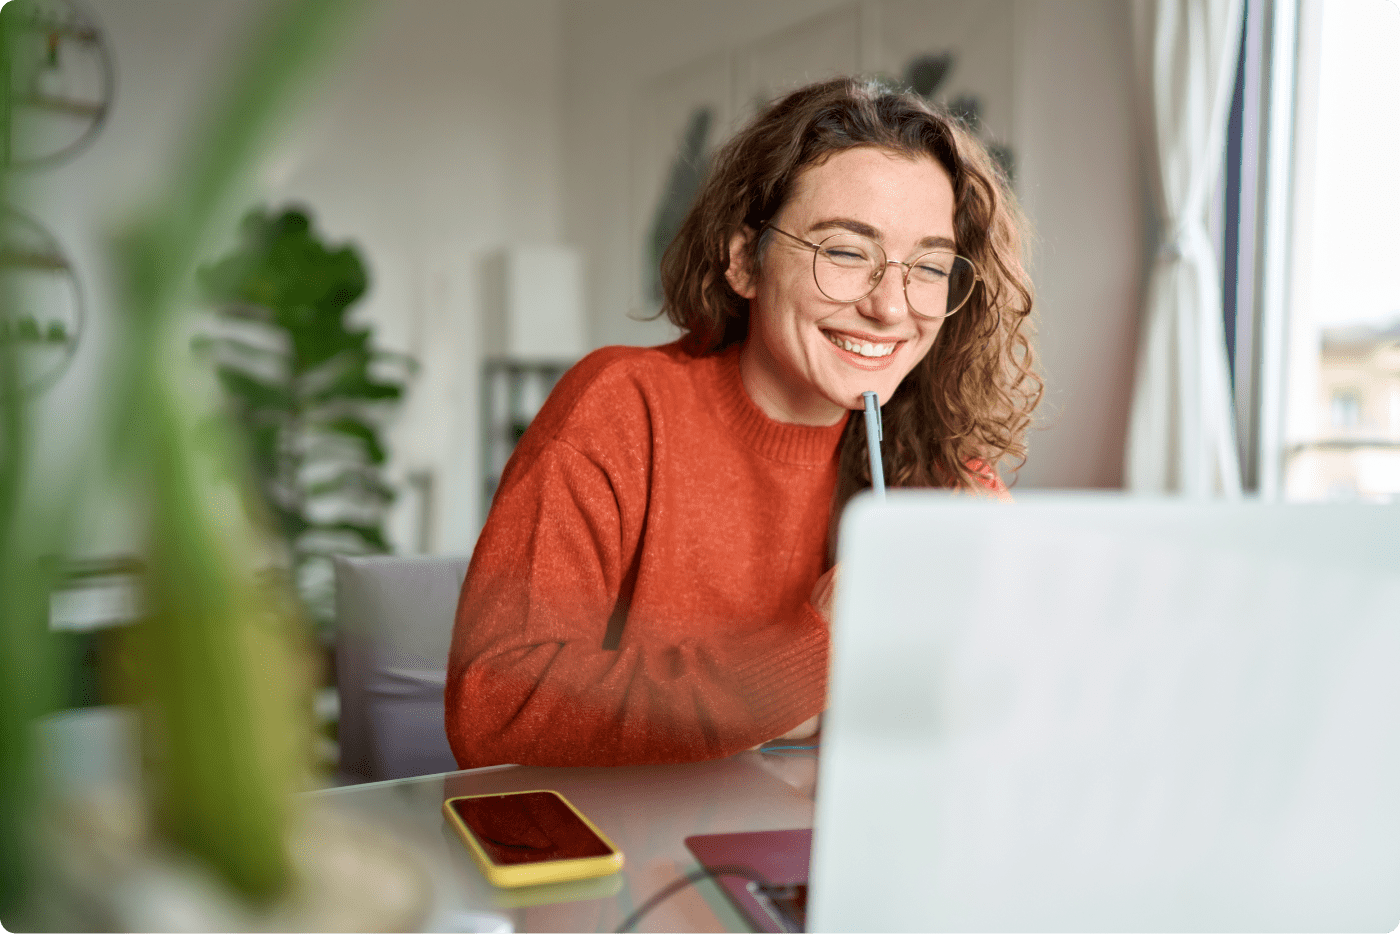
x=964 y=409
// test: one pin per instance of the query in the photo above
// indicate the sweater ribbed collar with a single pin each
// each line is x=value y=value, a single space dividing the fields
x=791 y=444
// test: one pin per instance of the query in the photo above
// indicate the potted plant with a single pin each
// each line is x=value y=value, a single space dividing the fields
x=309 y=387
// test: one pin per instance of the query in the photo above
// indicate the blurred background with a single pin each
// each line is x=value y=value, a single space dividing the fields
x=473 y=194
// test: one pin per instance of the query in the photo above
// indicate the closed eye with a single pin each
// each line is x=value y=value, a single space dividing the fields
x=845 y=255
x=930 y=272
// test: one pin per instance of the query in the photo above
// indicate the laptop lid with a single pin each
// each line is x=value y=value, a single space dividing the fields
x=1088 y=712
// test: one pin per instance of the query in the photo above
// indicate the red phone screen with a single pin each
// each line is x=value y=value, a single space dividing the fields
x=528 y=828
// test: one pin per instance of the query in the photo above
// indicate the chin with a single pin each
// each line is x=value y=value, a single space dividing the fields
x=854 y=397
x=853 y=400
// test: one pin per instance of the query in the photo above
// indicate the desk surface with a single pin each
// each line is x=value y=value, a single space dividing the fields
x=648 y=811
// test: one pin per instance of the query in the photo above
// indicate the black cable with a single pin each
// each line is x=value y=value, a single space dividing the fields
x=689 y=879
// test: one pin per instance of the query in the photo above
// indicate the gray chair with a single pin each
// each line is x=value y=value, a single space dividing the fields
x=393 y=630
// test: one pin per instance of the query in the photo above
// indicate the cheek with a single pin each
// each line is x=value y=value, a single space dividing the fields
x=790 y=293
x=928 y=336
x=787 y=322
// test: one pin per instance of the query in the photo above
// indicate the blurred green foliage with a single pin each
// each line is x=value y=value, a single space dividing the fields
x=30 y=679
x=26 y=329
x=31 y=532
x=309 y=387
x=222 y=659
x=223 y=652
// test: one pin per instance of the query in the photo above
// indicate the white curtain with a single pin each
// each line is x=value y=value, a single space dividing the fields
x=1181 y=434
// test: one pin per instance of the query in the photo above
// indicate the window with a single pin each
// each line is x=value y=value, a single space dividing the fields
x=1342 y=409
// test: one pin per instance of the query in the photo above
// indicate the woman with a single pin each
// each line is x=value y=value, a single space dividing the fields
x=654 y=581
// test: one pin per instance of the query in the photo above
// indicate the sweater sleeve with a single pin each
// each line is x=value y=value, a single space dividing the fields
x=538 y=676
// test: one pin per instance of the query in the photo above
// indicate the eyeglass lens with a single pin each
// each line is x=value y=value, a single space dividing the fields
x=848 y=267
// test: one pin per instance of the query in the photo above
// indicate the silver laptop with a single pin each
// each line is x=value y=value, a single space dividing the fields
x=1088 y=713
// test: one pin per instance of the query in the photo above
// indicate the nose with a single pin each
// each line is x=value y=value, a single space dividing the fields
x=886 y=303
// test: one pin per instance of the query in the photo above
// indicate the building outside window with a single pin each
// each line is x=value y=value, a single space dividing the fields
x=1346 y=406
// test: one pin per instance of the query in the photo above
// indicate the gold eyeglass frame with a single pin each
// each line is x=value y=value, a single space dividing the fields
x=816 y=249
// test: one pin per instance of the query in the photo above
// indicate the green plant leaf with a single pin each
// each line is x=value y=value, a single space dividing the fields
x=356 y=385
x=282 y=266
x=319 y=341
x=254 y=393
x=264 y=447
x=324 y=419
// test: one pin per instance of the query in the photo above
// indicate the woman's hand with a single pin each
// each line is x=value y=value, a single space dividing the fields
x=804 y=730
x=824 y=593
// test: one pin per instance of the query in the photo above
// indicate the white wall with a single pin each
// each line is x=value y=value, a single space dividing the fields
x=1082 y=184
x=432 y=140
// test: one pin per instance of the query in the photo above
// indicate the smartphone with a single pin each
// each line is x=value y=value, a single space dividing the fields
x=530 y=838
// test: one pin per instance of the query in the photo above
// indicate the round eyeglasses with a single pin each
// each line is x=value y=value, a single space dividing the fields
x=848 y=267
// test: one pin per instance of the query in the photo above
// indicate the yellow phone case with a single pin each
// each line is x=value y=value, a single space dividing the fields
x=557 y=870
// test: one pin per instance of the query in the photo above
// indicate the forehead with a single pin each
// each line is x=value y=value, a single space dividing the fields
x=895 y=193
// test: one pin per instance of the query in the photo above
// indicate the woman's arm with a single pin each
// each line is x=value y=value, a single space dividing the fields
x=530 y=680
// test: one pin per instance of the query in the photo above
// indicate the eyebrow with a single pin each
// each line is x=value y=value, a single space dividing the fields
x=865 y=230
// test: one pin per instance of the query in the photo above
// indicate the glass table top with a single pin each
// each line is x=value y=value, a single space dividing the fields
x=648 y=811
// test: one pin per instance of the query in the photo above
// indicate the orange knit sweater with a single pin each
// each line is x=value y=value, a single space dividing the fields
x=639 y=593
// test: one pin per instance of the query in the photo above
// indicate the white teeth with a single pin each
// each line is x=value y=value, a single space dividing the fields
x=865 y=350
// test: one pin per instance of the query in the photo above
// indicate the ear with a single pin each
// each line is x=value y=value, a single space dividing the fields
x=738 y=273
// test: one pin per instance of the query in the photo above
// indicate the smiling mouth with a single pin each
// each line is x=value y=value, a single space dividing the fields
x=865 y=349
